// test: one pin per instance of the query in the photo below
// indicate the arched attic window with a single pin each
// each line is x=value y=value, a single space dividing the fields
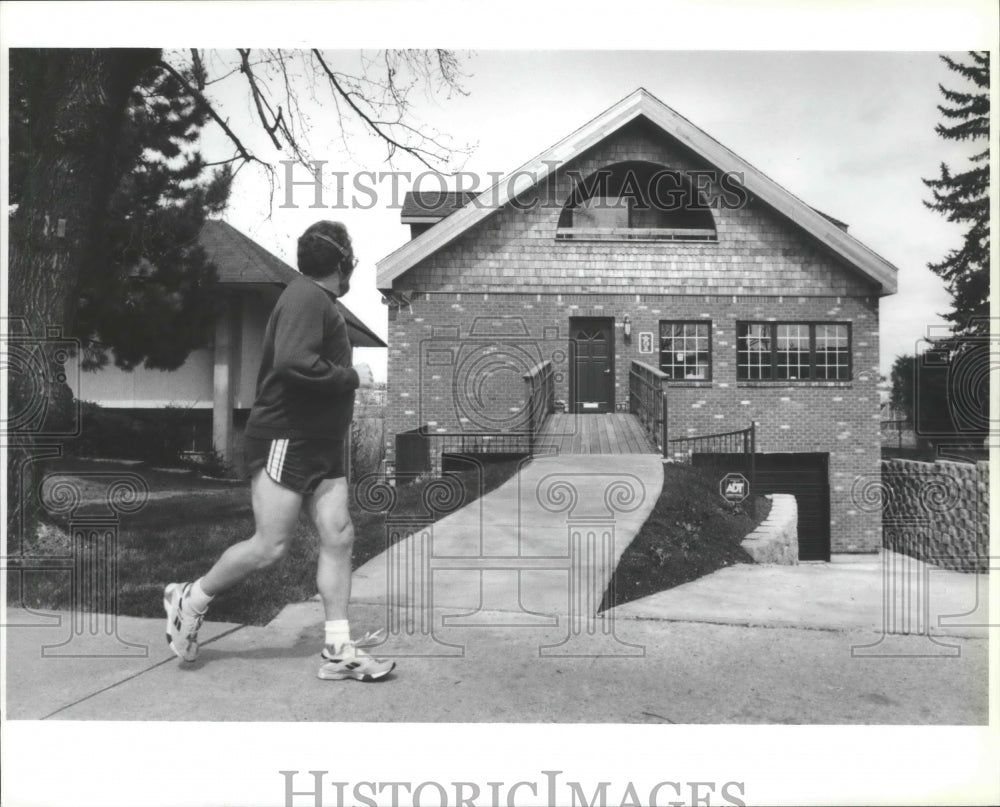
x=636 y=201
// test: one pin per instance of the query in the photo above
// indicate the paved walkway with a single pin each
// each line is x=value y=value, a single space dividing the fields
x=544 y=544
x=888 y=592
x=491 y=623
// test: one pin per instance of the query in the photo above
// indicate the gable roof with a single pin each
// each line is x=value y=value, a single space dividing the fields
x=641 y=103
x=240 y=260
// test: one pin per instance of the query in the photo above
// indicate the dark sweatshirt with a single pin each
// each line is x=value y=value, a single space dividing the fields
x=305 y=387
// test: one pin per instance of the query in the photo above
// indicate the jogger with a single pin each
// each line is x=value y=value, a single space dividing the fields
x=295 y=450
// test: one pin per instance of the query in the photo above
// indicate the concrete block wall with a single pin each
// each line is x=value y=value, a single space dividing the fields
x=938 y=512
x=776 y=539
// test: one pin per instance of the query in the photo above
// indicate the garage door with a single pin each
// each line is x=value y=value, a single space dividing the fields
x=805 y=476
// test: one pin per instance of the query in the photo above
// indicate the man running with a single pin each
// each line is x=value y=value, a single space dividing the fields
x=295 y=450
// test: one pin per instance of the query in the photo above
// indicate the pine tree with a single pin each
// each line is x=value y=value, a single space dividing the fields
x=80 y=122
x=146 y=295
x=964 y=198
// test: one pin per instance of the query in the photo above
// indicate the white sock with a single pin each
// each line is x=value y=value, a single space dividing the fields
x=338 y=632
x=197 y=599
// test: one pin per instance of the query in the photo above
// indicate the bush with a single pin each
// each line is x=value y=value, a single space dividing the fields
x=367 y=445
x=210 y=463
x=156 y=436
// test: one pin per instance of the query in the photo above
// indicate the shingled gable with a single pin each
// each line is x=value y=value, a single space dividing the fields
x=239 y=260
x=829 y=232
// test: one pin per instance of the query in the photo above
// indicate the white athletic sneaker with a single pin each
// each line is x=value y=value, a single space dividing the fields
x=182 y=624
x=350 y=661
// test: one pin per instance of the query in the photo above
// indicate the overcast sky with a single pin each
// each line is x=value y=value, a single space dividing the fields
x=849 y=133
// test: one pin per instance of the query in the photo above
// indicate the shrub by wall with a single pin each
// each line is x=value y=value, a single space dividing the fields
x=157 y=436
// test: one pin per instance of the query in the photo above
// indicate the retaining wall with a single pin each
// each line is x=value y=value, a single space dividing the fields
x=937 y=512
x=776 y=539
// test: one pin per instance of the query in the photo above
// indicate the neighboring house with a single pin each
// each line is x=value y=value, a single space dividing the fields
x=217 y=383
x=755 y=306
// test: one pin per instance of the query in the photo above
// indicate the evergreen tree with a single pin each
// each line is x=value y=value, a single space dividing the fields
x=146 y=294
x=964 y=197
x=80 y=121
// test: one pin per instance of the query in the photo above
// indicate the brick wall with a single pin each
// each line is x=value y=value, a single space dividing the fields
x=466 y=375
x=488 y=306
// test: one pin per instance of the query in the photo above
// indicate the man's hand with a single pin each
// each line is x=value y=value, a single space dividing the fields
x=365 y=375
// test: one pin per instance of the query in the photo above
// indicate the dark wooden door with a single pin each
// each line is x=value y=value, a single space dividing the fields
x=592 y=367
x=805 y=476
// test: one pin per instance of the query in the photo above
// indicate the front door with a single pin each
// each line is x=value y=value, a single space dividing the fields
x=591 y=367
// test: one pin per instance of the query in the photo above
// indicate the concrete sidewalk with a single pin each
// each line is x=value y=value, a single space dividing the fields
x=887 y=592
x=489 y=621
x=683 y=673
x=545 y=543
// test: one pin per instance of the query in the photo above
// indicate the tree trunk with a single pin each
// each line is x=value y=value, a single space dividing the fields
x=75 y=101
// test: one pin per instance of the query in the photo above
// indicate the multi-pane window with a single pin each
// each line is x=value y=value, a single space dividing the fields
x=637 y=200
x=793 y=351
x=832 y=352
x=686 y=351
x=753 y=353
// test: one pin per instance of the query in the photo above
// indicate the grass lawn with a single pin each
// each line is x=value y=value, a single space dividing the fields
x=692 y=531
x=188 y=522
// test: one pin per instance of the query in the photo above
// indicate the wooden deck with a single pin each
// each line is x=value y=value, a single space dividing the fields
x=612 y=433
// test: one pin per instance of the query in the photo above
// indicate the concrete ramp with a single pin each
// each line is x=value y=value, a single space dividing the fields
x=541 y=546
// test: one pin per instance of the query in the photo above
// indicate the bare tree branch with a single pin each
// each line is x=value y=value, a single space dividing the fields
x=197 y=94
x=282 y=82
x=198 y=69
x=259 y=100
x=413 y=151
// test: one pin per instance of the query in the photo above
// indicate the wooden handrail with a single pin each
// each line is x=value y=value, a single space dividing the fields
x=541 y=398
x=656 y=372
x=538 y=369
x=648 y=400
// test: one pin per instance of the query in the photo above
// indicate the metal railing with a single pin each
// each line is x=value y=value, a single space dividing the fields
x=421 y=450
x=893 y=431
x=636 y=234
x=738 y=442
x=743 y=441
x=647 y=397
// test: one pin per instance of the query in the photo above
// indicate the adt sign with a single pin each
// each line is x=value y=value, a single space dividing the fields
x=734 y=487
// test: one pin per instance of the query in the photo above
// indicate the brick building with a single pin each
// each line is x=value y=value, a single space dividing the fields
x=640 y=238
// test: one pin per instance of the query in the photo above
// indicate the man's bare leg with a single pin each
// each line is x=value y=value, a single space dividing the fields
x=276 y=512
x=342 y=657
x=327 y=508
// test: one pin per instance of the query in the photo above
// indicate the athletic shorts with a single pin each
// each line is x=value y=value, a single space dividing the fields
x=298 y=464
